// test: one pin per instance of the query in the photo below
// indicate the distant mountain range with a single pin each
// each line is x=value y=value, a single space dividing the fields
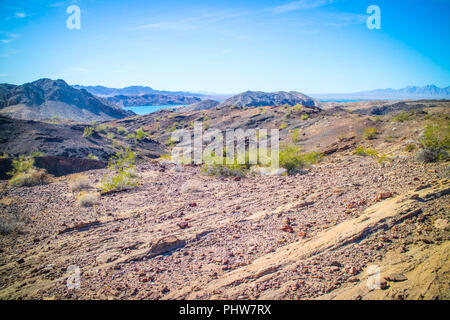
x=132 y=91
x=46 y=99
x=410 y=92
x=151 y=100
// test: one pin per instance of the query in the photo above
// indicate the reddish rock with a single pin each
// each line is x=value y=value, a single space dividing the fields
x=183 y=225
x=287 y=228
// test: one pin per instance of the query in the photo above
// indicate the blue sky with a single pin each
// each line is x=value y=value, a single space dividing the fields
x=312 y=46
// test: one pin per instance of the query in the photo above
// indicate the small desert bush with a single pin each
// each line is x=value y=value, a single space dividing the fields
x=220 y=166
x=131 y=137
x=294 y=135
x=435 y=142
x=360 y=151
x=122 y=175
x=283 y=125
x=30 y=178
x=92 y=157
x=13 y=222
x=292 y=159
x=25 y=174
x=370 y=133
x=110 y=135
x=304 y=117
x=122 y=131
x=297 y=107
x=21 y=164
x=410 y=147
x=79 y=182
x=101 y=128
x=224 y=170
x=87 y=132
x=36 y=154
x=140 y=134
x=87 y=199
x=403 y=116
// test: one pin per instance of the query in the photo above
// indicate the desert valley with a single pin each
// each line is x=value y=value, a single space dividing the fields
x=90 y=186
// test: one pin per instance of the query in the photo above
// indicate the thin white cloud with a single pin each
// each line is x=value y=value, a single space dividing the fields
x=7 y=37
x=300 y=5
x=61 y=3
x=21 y=15
x=343 y=19
x=192 y=23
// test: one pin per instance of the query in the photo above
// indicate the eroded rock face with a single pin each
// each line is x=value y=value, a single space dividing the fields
x=46 y=98
x=61 y=166
x=56 y=166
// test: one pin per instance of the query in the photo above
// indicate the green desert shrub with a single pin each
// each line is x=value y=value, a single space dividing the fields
x=294 y=135
x=435 y=142
x=110 y=135
x=21 y=164
x=283 y=125
x=370 y=133
x=25 y=174
x=410 y=147
x=297 y=107
x=131 y=136
x=403 y=116
x=101 y=128
x=121 y=172
x=87 y=132
x=87 y=199
x=79 y=182
x=360 y=151
x=304 y=117
x=36 y=154
x=140 y=134
x=92 y=157
x=224 y=170
x=31 y=177
x=122 y=131
x=292 y=159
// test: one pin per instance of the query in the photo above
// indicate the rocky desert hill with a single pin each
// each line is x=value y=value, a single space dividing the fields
x=47 y=99
x=258 y=98
x=180 y=233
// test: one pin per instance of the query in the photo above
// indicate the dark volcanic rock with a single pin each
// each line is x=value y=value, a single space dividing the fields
x=66 y=140
x=5 y=166
x=258 y=98
x=46 y=99
x=61 y=166
x=391 y=108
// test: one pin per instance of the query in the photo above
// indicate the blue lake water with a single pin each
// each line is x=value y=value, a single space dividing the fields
x=142 y=110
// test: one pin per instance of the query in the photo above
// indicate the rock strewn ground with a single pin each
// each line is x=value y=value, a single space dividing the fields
x=211 y=227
